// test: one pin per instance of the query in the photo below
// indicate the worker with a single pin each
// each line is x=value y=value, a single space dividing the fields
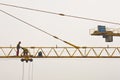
x=25 y=51
x=18 y=47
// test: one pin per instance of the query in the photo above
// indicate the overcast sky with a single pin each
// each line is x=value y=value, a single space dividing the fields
x=73 y=30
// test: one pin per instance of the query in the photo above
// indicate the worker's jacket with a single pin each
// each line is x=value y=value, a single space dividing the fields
x=25 y=50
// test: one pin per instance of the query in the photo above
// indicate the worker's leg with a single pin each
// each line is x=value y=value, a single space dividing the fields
x=17 y=53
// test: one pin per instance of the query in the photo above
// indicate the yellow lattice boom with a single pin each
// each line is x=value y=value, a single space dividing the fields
x=63 y=52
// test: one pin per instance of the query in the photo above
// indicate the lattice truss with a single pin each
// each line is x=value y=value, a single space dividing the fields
x=63 y=52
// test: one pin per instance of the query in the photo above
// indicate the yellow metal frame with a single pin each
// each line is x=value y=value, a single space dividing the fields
x=63 y=52
x=109 y=31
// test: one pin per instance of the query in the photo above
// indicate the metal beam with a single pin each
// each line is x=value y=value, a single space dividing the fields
x=62 y=52
x=63 y=57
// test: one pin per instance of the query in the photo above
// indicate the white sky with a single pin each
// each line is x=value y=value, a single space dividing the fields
x=73 y=30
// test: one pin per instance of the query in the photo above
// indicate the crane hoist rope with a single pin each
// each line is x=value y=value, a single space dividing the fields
x=39 y=29
x=30 y=71
x=61 y=14
x=23 y=71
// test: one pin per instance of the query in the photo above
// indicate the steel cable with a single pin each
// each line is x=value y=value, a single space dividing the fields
x=61 y=14
x=29 y=71
x=32 y=71
x=39 y=29
x=23 y=71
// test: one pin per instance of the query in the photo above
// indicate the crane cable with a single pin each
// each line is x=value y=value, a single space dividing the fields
x=61 y=14
x=23 y=71
x=30 y=71
x=39 y=29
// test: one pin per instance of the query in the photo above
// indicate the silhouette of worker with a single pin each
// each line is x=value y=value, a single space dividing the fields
x=25 y=51
x=18 y=47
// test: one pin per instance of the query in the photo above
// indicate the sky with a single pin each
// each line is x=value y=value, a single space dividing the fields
x=72 y=30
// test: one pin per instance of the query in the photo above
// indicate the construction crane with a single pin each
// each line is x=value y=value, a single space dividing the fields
x=107 y=33
x=63 y=52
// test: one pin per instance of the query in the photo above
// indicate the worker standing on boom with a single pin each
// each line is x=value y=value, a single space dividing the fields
x=18 y=47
